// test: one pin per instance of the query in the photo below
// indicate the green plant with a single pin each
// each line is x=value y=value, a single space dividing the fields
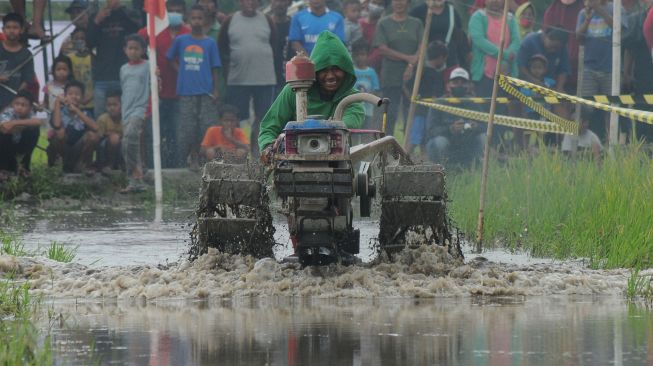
x=551 y=206
x=60 y=252
x=639 y=286
x=20 y=341
x=11 y=245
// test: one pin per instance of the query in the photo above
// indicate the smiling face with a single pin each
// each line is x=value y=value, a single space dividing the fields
x=330 y=79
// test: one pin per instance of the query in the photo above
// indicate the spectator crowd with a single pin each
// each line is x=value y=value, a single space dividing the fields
x=216 y=69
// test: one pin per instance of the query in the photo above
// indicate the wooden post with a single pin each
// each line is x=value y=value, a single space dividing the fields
x=490 y=126
x=418 y=74
x=616 y=73
x=579 y=83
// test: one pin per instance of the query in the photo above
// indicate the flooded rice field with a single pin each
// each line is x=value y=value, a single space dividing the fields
x=131 y=297
x=498 y=331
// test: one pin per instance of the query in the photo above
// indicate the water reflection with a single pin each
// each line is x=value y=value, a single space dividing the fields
x=540 y=331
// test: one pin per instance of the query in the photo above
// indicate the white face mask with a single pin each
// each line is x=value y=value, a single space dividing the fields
x=375 y=10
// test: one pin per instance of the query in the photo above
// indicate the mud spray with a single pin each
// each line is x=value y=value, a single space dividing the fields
x=423 y=272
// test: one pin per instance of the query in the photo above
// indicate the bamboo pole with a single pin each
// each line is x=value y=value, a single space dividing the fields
x=616 y=73
x=579 y=84
x=418 y=75
x=490 y=127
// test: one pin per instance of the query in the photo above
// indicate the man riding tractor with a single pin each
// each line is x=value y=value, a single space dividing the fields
x=334 y=80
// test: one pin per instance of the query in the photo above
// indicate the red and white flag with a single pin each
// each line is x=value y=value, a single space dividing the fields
x=156 y=14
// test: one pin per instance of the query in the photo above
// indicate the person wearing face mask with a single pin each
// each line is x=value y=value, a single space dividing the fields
x=525 y=15
x=446 y=26
x=168 y=103
x=456 y=141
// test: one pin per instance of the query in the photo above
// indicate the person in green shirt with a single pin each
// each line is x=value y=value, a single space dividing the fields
x=335 y=80
x=397 y=37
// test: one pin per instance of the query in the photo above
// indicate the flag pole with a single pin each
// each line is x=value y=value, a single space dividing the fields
x=154 y=86
x=490 y=125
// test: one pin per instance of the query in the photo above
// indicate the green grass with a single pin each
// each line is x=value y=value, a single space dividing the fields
x=10 y=244
x=639 y=287
x=552 y=207
x=20 y=340
x=61 y=253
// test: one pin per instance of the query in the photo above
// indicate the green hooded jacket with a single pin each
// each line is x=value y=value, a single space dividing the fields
x=329 y=51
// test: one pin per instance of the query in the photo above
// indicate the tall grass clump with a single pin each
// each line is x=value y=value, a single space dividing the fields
x=551 y=206
x=60 y=253
x=639 y=287
x=20 y=341
x=10 y=244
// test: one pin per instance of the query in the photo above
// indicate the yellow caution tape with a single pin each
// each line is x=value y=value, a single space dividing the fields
x=637 y=115
x=529 y=124
x=567 y=125
x=625 y=99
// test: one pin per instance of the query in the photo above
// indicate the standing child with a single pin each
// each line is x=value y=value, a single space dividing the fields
x=14 y=138
x=367 y=80
x=226 y=141
x=61 y=73
x=135 y=84
x=353 y=31
x=110 y=132
x=197 y=59
x=74 y=132
x=82 y=61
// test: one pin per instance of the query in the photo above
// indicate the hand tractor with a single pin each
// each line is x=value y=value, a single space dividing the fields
x=316 y=174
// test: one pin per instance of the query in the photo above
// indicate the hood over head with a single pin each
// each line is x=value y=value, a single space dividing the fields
x=330 y=51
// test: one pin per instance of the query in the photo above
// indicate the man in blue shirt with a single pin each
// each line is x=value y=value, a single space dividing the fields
x=197 y=60
x=307 y=25
x=552 y=43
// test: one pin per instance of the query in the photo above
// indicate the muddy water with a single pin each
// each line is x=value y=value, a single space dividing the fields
x=133 y=296
x=476 y=331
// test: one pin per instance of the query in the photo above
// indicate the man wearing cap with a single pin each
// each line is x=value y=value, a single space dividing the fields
x=552 y=44
x=453 y=139
x=78 y=13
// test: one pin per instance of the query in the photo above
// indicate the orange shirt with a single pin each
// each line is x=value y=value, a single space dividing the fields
x=215 y=138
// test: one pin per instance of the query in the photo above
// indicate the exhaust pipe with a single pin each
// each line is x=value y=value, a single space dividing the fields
x=358 y=97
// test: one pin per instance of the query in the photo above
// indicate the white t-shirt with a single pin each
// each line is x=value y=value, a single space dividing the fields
x=585 y=141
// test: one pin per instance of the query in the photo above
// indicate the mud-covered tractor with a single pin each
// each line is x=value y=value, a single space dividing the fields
x=317 y=174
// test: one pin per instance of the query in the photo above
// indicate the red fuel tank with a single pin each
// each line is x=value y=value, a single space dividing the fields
x=300 y=68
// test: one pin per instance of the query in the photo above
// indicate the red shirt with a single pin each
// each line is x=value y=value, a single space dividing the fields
x=167 y=73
